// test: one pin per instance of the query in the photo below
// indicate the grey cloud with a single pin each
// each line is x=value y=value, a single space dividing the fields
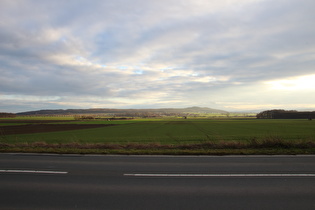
x=77 y=48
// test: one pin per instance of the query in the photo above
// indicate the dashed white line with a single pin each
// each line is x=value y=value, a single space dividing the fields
x=221 y=175
x=32 y=171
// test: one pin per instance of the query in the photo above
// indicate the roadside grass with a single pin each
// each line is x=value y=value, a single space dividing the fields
x=173 y=136
x=266 y=147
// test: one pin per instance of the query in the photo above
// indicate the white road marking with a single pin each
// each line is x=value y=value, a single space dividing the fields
x=221 y=175
x=33 y=171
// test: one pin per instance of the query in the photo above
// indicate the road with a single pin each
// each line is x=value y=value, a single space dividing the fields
x=34 y=181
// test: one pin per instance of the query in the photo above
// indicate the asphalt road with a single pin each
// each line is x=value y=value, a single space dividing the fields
x=33 y=181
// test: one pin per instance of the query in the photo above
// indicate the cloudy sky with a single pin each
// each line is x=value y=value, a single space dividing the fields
x=227 y=54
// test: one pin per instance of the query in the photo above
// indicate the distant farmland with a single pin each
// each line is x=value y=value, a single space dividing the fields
x=163 y=133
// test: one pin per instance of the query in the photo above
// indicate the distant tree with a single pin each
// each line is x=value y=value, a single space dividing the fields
x=283 y=114
x=7 y=115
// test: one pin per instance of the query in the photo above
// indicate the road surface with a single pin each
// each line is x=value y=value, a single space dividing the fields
x=35 y=181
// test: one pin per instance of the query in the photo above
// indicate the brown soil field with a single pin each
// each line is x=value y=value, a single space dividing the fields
x=34 y=121
x=42 y=128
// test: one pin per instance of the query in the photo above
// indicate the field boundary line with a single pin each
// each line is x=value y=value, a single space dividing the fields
x=32 y=171
x=220 y=175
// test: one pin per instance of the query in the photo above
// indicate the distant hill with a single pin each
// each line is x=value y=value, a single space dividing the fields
x=196 y=109
x=125 y=112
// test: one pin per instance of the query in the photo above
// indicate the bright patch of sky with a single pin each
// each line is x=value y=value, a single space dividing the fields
x=138 y=71
x=234 y=55
x=294 y=84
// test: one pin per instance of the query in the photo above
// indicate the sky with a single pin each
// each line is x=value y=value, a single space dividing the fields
x=234 y=55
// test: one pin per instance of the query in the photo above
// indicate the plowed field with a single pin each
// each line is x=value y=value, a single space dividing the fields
x=44 y=127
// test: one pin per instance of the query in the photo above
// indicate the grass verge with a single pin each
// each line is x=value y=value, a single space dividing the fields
x=252 y=147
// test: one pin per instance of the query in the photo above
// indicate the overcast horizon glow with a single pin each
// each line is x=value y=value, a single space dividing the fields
x=234 y=55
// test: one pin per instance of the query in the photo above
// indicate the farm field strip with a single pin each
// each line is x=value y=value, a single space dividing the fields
x=170 y=131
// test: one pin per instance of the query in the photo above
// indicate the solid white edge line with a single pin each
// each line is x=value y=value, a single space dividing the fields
x=221 y=175
x=33 y=171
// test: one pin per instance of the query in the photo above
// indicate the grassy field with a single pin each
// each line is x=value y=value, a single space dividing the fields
x=174 y=133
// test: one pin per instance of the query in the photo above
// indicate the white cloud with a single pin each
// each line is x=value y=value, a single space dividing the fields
x=294 y=84
x=223 y=54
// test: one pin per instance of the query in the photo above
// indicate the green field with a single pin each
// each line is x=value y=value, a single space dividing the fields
x=174 y=131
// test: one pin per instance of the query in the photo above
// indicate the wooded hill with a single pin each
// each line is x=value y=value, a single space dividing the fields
x=285 y=114
x=127 y=112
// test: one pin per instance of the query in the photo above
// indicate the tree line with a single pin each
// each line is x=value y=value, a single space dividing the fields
x=285 y=114
x=6 y=115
